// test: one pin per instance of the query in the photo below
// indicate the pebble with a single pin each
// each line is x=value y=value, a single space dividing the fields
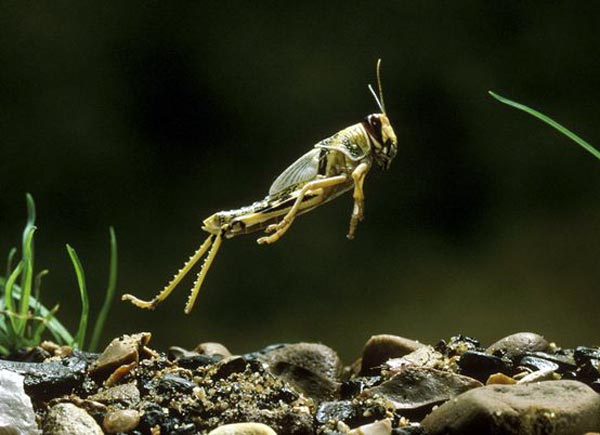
x=550 y=407
x=16 y=411
x=121 y=351
x=121 y=420
x=308 y=383
x=380 y=427
x=546 y=374
x=537 y=363
x=340 y=410
x=565 y=361
x=500 y=379
x=480 y=365
x=418 y=389
x=212 y=349
x=380 y=348
x=314 y=357
x=425 y=356
x=312 y=368
x=243 y=429
x=128 y=394
x=517 y=344
x=68 y=419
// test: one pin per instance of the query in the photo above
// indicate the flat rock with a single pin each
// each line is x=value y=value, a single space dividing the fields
x=380 y=348
x=68 y=419
x=425 y=356
x=311 y=368
x=518 y=344
x=420 y=388
x=124 y=394
x=314 y=357
x=551 y=408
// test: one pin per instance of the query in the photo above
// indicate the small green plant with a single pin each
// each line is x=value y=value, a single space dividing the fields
x=586 y=146
x=24 y=319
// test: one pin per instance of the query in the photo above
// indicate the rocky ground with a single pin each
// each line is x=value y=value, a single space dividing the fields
x=522 y=384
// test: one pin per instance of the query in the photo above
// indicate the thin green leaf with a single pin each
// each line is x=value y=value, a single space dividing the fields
x=85 y=307
x=36 y=290
x=27 y=232
x=4 y=351
x=110 y=293
x=585 y=145
x=43 y=324
x=9 y=295
x=9 y=261
x=27 y=278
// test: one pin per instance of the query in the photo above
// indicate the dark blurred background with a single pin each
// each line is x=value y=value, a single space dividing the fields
x=150 y=116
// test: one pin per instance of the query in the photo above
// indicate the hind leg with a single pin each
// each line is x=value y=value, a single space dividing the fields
x=164 y=294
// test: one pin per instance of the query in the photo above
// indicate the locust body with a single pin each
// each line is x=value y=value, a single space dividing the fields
x=334 y=166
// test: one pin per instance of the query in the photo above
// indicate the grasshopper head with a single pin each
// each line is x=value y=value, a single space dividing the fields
x=214 y=223
x=384 y=144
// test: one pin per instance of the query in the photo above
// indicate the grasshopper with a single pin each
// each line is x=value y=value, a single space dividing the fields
x=334 y=166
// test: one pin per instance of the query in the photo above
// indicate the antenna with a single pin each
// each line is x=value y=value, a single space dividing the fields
x=379 y=85
x=379 y=99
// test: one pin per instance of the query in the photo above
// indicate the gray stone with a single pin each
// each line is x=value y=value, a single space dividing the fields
x=68 y=419
x=16 y=412
x=549 y=408
x=314 y=357
x=311 y=368
x=243 y=429
x=422 y=387
x=518 y=344
x=124 y=393
x=380 y=348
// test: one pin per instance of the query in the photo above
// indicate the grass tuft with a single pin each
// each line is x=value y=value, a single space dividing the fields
x=25 y=318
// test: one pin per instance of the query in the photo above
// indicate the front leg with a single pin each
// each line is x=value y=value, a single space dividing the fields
x=358 y=212
x=287 y=220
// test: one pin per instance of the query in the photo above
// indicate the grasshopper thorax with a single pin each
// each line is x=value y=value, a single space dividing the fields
x=384 y=144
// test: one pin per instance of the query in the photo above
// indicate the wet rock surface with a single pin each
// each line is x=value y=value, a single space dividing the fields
x=404 y=387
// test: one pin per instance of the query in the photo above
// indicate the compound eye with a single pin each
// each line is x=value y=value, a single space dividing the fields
x=375 y=122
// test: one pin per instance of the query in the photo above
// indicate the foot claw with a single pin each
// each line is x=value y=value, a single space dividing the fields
x=263 y=240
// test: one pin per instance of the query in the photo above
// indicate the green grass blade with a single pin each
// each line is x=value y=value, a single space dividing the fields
x=27 y=231
x=43 y=324
x=9 y=261
x=589 y=148
x=26 y=278
x=10 y=295
x=110 y=293
x=85 y=306
x=36 y=291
